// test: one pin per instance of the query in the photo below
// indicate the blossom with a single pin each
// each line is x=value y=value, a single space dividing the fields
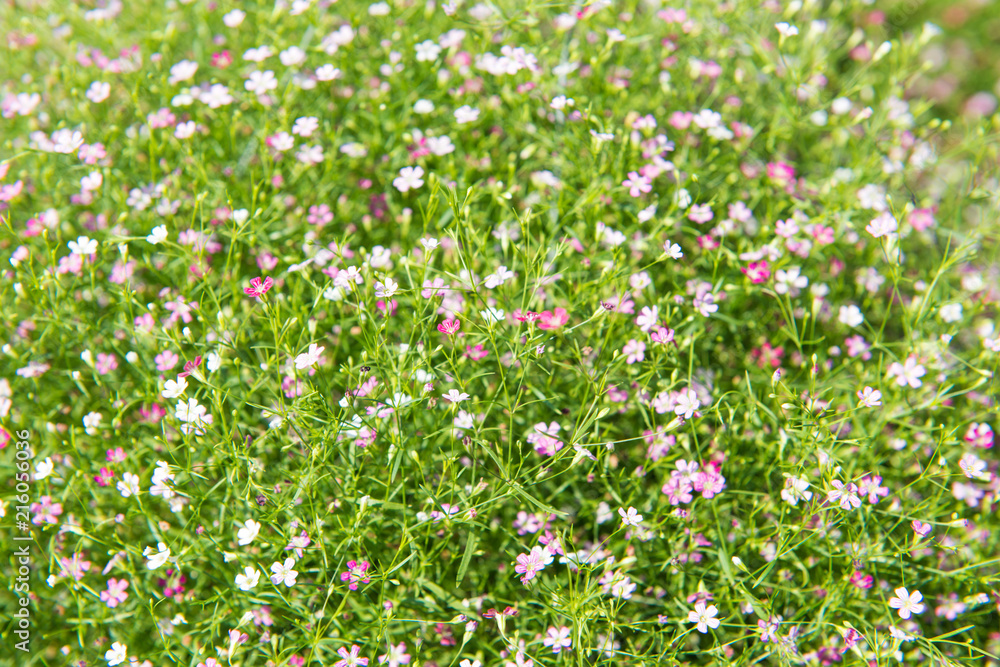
x=789 y=281
x=410 y=178
x=869 y=397
x=845 y=495
x=450 y=326
x=907 y=373
x=558 y=638
x=83 y=246
x=310 y=357
x=155 y=559
x=672 y=250
x=786 y=29
x=248 y=533
x=261 y=82
x=174 y=388
x=704 y=616
x=851 y=315
x=116 y=654
x=396 y=656
x=907 y=603
x=284 y=572
x=350 y=658
x=356 y=572
x=158 y=235
x=257 y=288
x=115 y=594
x=530 y=564
x=387 y=289
x=883 y=225
x=466 y=114
x=686 y=403
x=637 y=184
x=629 y=518
x=248 y=579
x=796 y=489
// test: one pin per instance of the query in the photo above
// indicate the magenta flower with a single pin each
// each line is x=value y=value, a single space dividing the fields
x=258 y=288
x=356 y=572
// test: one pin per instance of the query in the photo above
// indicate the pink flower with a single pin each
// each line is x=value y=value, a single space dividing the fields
x=257 y=288
x=553 y=320
x=351 y=658
x=115 y=594
x=450 y=326
x=637 y=184
x=979 y=435
x=530 y=564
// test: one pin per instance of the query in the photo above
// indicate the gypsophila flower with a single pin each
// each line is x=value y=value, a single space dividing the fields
x=704 y=616
x=907 y=603
x=869 y=397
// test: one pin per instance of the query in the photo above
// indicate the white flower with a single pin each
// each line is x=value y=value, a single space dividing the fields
x=851 y=315
x=116 y=654
x=423 y=106
x=951 y=312
x=327 y=72
x=44 y=469
x=560 y=102
x=98 y=91
x=182 y=71
x=158 y=235
x=234 y=18
x=292 y=56
x=305 y=126
x=907 y=373
x=174 y=388
x=248 y=533
x=129 y=486
x=261 y=82
x=387 y=289
x=410 y=178
x=427 y=50
x=704 y=616
x=786 y=29
x=440 y=145
x=91 y=421
x=870 y=397
x=248 y=579
x=284 y=573
x=907 y=603
x=309 y=358
x=789 y=281
x=186 y=129
x=687 y=403
x=672 y=249
x=883 y=225
x=156 y=559
x=796 y=489
x=466 y=114
x=629 y=518
x=455 y=396
x=83 y=246
x=429 y=243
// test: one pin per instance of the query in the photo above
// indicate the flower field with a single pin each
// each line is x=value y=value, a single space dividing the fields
x=515 y=334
